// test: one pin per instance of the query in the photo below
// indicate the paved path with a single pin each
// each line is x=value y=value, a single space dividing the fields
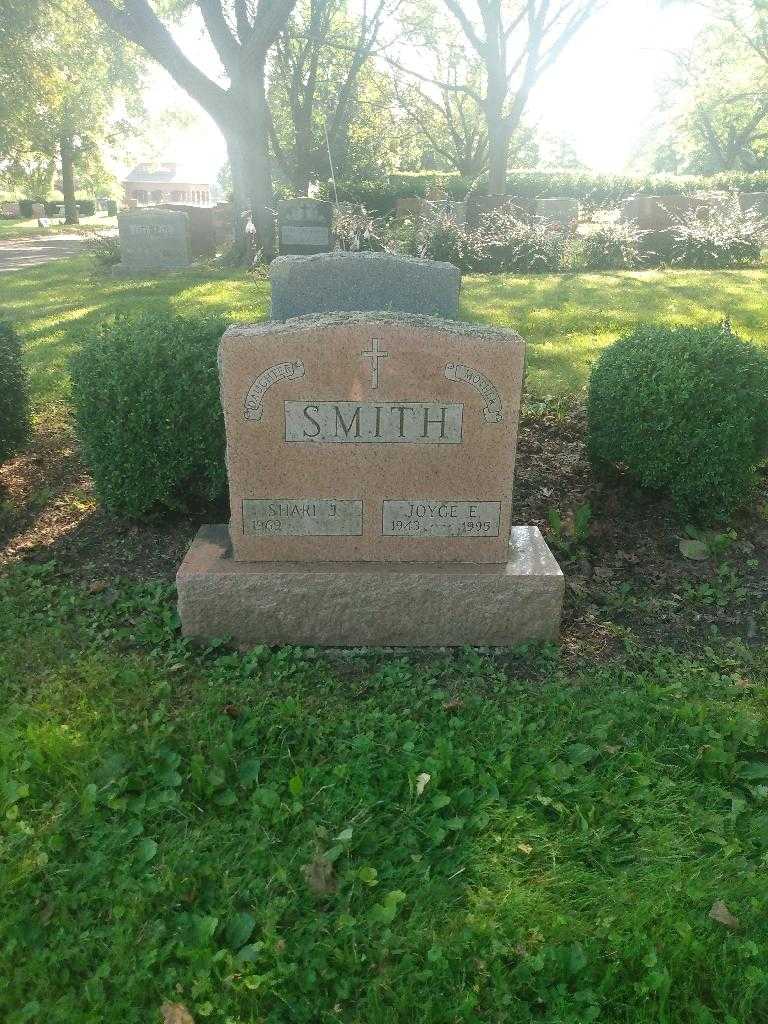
x=20 y=253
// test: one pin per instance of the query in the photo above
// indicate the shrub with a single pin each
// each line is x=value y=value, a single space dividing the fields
x=441 y=238
x=105 y=249
x=610 y=247
x=354 y=229
x=401 y=235
x=504 y=243
x=435 y=238
x=146 y=397
x=86 y=207
x=723 y=236
x=14 y=393
x=25 y=208
x=684 y=411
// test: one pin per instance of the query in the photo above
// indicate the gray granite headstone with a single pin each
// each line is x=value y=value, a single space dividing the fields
x=304 y=226
x=153 y=239
x=367 y=281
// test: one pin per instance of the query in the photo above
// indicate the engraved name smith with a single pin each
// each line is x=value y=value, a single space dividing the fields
x=374 y=422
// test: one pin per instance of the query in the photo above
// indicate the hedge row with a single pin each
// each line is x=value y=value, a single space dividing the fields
x=594 y=191
x=85 y=207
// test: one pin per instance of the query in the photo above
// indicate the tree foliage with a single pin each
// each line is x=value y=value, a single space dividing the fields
x=512 y=43
x=715 y=107
x=62 y=71
x=326 y=96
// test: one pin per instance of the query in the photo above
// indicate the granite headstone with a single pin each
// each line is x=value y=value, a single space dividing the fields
x=337 y=281
x=370 y=459
x=304 y=226
x=153 y=239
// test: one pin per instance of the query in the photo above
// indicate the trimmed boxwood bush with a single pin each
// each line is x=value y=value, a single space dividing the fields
x=146 y=397
x=14 y=393
x=684 y=411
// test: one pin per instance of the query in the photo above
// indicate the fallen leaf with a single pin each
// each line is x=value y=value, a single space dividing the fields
x=695 y=550
x=525 y=848
x=421 y=782
x=232 y=710
x=319 y=876
x=722 y=914
x=97 y=586
x=452 y=705
x=176 y=1013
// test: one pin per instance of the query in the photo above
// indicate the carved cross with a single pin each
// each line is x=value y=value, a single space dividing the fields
x=373 y=356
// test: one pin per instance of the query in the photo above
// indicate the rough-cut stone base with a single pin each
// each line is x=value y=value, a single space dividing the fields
x=371 y=604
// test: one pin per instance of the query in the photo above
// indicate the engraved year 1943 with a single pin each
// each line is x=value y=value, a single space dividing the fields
x=435 y=518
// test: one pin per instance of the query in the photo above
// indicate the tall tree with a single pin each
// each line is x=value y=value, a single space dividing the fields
x=515 y=42
x=61 y=73
x=242 y=33
x=715 y=107
x=448 y=132
x=448 y=122
x=316 y=83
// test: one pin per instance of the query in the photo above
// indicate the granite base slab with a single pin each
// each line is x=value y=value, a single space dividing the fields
x=371 y=604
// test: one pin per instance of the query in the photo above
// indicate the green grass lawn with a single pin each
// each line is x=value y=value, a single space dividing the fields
x=276 y=837
x=14 y=229
x=289 y=837
x=566 y=318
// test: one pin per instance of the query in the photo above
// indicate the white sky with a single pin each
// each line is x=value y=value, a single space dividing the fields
x=600 y=95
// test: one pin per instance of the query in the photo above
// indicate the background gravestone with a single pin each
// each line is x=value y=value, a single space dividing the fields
x=519 y=207
x=362 y=281
x=223 y=224
x=202 y=228
x=153 y=239
x=304 y=226
x=658 y=213
x=444 y=209
x=563 y=213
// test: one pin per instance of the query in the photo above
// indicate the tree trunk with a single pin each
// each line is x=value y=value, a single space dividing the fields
x=252 y=191
x=248 y=146
x=498 y=155
x=66 y=148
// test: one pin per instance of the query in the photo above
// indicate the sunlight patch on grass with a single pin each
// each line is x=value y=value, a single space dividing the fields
x=566 y=319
